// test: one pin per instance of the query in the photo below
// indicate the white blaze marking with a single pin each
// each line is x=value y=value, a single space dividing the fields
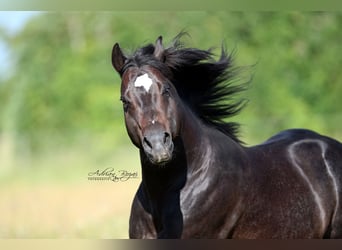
x=143 y=81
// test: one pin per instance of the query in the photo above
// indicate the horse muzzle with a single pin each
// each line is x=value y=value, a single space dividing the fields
x=158 y=147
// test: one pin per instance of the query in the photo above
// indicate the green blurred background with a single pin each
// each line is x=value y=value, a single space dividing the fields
x=61 y=118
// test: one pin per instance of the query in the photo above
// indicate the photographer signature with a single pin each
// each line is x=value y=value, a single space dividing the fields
x=112 y=175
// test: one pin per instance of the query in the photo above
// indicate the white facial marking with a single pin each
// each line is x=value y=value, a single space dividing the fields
x=143 y=81
x=153 y=121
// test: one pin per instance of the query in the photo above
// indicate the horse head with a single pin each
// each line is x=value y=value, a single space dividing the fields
x=149 y=101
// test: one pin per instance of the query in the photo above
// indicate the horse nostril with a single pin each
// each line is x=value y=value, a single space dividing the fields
x=147 y=143
x=167 y=138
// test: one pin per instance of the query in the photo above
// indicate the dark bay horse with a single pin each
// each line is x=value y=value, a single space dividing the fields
x=198 y=178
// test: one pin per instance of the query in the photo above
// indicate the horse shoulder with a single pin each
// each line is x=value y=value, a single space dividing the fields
x=216 y=189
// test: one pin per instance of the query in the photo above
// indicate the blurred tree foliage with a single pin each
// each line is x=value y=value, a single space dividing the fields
x=63 y=82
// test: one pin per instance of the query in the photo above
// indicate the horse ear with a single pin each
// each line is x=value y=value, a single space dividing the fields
x=118 y=58
x=159 y=49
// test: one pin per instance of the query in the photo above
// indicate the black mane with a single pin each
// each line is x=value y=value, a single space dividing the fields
x=206 y=85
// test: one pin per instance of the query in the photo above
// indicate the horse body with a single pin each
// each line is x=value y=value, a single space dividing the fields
x=198 y=180
x=295 y=195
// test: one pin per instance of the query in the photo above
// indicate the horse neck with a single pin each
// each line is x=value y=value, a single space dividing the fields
x=193 y=134
x=206 y=147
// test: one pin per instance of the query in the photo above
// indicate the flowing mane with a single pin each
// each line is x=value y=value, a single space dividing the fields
x=207 y=86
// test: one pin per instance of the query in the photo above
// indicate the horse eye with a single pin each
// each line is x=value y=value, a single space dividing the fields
x=125 y=103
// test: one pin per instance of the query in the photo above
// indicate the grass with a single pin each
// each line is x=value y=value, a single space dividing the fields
x=89 y=210
x=48 y=195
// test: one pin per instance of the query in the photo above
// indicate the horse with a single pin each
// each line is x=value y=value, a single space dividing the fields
x=199 y=180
